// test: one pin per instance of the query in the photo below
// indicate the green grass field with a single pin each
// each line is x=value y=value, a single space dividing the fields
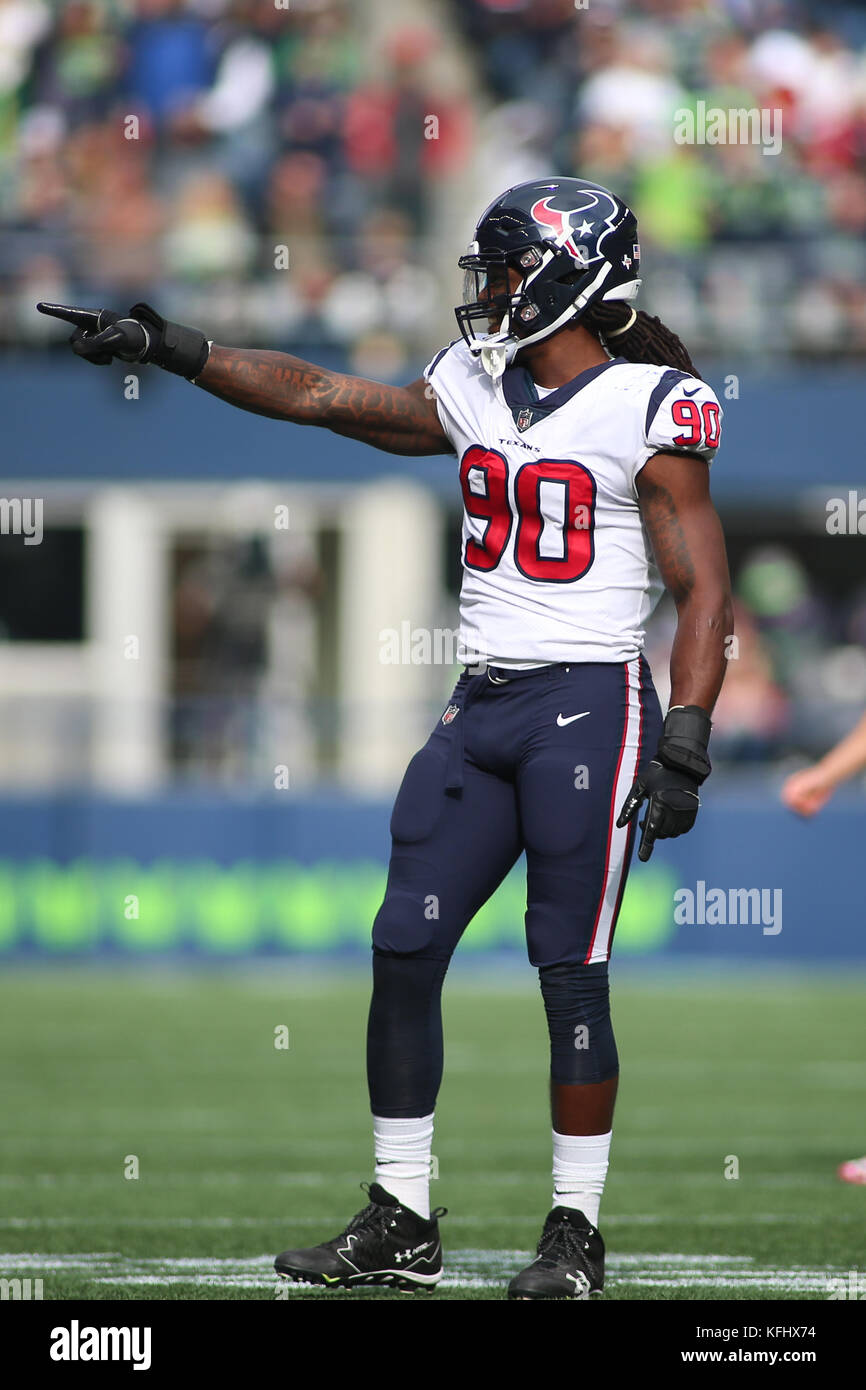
x=244 y=1149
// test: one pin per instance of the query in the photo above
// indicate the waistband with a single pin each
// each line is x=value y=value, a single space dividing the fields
x=502 y=675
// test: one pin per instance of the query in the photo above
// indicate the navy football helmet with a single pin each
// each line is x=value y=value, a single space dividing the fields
x=572 y=241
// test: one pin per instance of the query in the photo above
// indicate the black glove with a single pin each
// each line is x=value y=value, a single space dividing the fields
x=672 y=779
x=143 y=336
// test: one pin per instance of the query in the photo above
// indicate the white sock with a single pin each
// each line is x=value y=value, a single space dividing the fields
x=403 y=1160
x=579 y=1170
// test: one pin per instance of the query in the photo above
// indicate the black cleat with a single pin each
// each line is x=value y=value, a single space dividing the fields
x=386 y=1243
x=570 y=1260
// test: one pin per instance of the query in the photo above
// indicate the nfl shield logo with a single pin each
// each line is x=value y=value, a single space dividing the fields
x=450 y=714
x=524 y=419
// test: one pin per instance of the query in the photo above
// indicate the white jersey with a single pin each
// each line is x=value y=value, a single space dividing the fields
x=557 y=565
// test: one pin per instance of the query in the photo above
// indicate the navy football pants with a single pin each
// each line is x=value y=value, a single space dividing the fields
x=539 y=762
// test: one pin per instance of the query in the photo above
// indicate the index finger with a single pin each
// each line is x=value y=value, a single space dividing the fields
x=82 y=318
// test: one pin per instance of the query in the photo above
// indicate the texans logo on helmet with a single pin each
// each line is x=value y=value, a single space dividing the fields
x=562 y=223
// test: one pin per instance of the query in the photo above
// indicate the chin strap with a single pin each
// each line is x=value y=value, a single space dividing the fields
x=496 y=357
x=495 y=360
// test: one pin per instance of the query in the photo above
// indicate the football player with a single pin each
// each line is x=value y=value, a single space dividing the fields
x=583 y=436
x=806 y=792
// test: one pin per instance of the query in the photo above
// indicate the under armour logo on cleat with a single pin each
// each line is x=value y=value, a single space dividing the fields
x=407 y=1254
x=562 y=721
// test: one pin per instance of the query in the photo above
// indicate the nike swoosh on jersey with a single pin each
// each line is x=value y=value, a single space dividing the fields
x=691 y=393
x=571 y=718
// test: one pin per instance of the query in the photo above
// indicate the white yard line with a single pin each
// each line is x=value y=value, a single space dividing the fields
x=38 y=1223
x=469 y=1269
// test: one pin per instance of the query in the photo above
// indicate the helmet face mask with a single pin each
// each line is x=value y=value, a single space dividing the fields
x=570 y=241
x=486 y=289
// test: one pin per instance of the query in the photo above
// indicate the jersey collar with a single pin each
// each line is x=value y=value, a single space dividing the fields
x=522 y=398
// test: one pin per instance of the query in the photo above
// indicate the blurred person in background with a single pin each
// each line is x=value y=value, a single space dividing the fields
x=243 y=629
x=208 y=236
x=389 y=141
x=792 y=620
x=78 y=65
x=806 y=792
x=171 y=60
x=750 y=720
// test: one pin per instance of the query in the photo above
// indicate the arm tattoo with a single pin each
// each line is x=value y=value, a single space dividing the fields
x=669 y=544
x=400 y=420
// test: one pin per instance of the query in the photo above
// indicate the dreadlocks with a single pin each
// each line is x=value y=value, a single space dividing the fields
x=647 y=340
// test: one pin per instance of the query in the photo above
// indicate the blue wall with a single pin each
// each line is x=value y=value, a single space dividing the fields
x=265 y=859
x=63 y=419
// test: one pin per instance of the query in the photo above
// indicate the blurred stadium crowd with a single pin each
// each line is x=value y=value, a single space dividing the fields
x=730 y=229
x=259 y=128
x=263 y=126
